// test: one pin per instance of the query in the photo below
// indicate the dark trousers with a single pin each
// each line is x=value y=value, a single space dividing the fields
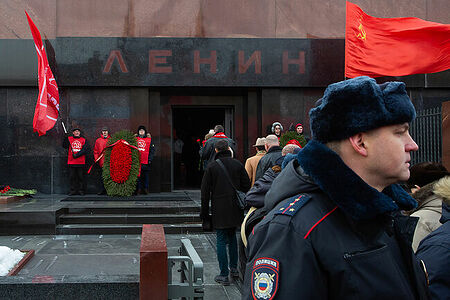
x=226 y=237
x=143 y=179
x=99 y=175
x=76 y=179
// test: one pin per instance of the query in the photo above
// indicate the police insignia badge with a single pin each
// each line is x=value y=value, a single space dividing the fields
x=265 y=278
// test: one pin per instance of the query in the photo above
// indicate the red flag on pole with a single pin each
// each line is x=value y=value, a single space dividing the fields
x=394 y=46
x=47 y=106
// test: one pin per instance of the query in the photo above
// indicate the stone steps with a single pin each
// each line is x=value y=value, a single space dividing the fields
x=74 y=229
x=92 y=214
x=128 y=219
x=177 y=217
x=133 y=209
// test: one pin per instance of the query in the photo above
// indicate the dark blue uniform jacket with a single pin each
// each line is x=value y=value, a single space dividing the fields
x=434 y=250
x=328 y=235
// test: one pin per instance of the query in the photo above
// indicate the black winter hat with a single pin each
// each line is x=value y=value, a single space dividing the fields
x=359 y=105
x=425 y=173
x=142 y=127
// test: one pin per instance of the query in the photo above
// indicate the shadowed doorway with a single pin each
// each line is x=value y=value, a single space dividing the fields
x=190 y=125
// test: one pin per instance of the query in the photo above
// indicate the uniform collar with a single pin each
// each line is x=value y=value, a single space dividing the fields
x=354 y=197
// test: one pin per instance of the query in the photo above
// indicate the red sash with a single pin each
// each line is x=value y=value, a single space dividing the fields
x=144 y=148
x=75 y=146
x=100 y=145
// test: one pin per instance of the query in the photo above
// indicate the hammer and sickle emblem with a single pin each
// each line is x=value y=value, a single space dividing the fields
x=362 y=32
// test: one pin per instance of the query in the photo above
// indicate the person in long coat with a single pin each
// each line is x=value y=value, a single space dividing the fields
x=226 y=214
x=252 y=162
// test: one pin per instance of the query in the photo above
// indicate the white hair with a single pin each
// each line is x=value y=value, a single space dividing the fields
x=289 y=148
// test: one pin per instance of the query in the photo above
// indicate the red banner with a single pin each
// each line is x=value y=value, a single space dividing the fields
x=47 y=106
x=394 y=46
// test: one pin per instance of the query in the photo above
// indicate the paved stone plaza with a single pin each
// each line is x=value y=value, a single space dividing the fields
x=103 y=257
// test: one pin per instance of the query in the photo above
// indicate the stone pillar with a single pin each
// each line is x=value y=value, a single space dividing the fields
x=153 y=263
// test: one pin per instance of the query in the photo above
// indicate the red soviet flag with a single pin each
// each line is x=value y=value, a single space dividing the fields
x=394 y=46
x=47 y=106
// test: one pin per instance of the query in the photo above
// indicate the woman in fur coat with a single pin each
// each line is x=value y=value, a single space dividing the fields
x=430 y=183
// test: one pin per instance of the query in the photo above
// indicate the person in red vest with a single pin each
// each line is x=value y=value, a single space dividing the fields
x=78 y=147
x=146 y=152
x=100 y=145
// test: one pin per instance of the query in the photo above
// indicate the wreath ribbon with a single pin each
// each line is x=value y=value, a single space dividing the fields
x=112 y=145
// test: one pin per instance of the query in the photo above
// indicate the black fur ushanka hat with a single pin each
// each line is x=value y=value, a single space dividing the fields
x=359 y=105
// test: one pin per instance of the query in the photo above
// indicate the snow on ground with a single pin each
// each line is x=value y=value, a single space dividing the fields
x=8 y=259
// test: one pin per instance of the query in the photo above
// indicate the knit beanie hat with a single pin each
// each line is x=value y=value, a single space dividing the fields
x=359 y=105
x=425 y=173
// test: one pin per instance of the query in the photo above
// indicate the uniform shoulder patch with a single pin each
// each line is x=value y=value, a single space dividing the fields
x=265 y=278
x=293 y=205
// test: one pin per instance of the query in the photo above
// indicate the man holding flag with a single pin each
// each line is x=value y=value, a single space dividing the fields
x=47 y=106
x=76 y=159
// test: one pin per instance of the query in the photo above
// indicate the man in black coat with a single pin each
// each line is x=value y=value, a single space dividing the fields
x=226 y=214
x=334 y=228
x=272 y=145
x=208 y=151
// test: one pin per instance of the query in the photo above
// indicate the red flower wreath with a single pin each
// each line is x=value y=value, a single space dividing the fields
x=120 y=163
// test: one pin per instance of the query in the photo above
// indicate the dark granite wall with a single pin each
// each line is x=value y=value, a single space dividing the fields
x=29 y=161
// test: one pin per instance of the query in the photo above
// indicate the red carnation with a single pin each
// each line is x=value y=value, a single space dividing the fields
x=120 y=165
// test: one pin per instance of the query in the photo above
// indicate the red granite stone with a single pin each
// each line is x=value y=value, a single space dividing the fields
x=29 y=255
x=43 y=279
x=153 y=263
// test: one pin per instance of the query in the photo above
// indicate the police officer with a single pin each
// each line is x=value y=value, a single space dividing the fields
x=333 y=228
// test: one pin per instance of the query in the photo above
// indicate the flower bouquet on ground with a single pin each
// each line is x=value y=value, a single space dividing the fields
x=6 y=190
x=8 y=194
x=121 y=167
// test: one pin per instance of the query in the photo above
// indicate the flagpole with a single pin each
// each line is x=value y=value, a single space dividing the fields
x=64 y=127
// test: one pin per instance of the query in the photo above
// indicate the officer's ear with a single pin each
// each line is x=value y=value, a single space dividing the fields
x=357 y=142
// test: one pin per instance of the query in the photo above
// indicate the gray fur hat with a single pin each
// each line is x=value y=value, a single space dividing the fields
x=359 y=105
x=275 y=124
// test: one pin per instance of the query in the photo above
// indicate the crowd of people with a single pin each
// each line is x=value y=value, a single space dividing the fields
x=79 y=150
x=338 y=216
